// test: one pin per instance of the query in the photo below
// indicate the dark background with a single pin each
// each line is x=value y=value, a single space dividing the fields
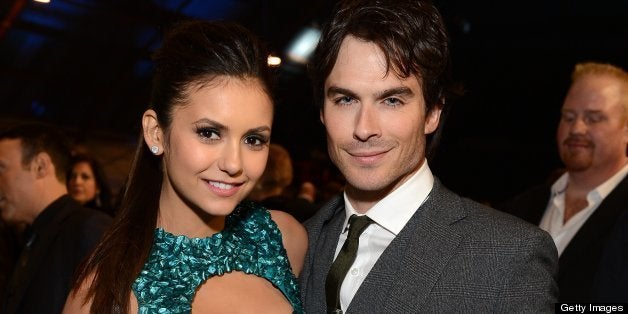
x=85 y=65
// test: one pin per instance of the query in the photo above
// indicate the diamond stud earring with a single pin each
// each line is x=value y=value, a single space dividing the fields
x=154 y=149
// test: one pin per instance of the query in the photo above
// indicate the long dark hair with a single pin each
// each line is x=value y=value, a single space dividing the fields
x=193 y=52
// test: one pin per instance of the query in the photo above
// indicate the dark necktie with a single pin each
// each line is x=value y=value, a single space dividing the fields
x=346 y=256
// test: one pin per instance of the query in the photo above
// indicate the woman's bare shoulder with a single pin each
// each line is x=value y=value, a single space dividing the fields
x=294 y=238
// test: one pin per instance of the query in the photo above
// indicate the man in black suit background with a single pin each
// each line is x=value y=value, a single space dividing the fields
x=581 y=208
x=34 y=162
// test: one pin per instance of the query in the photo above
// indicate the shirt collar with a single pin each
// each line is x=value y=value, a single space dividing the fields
x=395 y=209
x=599 y=193
x=560 y=185
x=607 y=187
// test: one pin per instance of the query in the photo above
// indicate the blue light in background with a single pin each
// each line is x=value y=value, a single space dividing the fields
x=37 y=109
x=43 y=18
x=142 y=68
x=67 y=7
x=204 y=9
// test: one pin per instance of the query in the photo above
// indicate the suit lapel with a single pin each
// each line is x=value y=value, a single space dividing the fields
x=410 y=266
x=324 y=231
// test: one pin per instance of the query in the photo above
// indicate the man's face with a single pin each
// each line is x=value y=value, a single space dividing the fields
x=593 y=131
x=16 y=183
x=376 y=122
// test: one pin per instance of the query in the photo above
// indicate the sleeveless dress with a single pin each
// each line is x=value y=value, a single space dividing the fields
x=178 y=265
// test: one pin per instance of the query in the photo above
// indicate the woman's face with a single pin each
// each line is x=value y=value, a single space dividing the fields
x=216 y=147
x=82 y=185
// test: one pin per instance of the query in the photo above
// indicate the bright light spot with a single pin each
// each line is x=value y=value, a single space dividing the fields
x=43 y=1
x=274 y=61
x=303 y=45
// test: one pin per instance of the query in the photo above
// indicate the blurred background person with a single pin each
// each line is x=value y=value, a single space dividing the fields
x=581 y=207
x=34 y=163
x=272 y=189
x=88 y=184
x=307 y=191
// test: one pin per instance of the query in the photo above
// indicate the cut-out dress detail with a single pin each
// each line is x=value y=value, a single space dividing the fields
x=177 y=265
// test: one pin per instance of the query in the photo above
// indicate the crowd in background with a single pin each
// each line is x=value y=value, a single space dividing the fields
x=57 y=201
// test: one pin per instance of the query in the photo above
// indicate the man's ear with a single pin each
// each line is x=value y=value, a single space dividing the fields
x=42 y=165
x=432 y=119
x=153 y=134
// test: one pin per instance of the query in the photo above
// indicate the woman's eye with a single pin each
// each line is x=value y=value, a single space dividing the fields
x=207 y=134
x=255 y=141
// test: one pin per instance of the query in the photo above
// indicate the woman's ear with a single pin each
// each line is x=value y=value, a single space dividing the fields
x=153 y=134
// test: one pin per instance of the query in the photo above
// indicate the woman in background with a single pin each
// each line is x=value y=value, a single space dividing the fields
x=88 y=185
x=183 y=240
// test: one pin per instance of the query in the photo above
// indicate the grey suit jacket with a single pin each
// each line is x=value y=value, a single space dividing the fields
x=454 y=255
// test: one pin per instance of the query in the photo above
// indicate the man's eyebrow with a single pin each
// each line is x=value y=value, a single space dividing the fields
x=398 y=91
x=334 y=90
x=586 y=111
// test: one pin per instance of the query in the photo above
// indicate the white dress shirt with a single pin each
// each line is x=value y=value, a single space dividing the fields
x=552 y=220
x=390 y=215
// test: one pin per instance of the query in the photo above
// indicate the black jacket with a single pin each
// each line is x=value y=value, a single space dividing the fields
x=56 y=243
x=578 y=265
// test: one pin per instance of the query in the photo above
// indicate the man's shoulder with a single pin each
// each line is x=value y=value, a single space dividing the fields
x=82 y=214
x=82 y=220
x=325 y=212
x=495 y=222
x=483 y=222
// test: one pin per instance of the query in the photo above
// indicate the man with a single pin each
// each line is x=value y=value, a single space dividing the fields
x=581 y=207
x=34 y=161
x=379 y=73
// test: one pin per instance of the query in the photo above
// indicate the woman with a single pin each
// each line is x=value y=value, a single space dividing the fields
x=182 y=240
x=88 y=185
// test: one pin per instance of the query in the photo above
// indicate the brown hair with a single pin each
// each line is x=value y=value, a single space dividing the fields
x=103 y=200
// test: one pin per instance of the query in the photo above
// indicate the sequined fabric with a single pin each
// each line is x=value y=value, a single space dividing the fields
x=177 y=265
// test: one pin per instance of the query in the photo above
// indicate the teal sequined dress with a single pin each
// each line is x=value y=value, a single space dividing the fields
x=177 y=265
